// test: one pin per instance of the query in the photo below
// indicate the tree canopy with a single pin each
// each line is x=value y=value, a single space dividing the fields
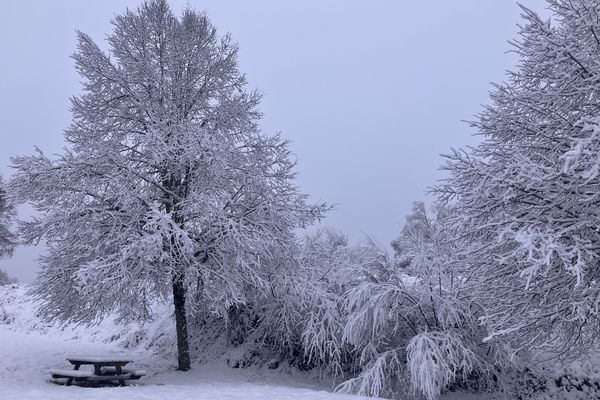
x=167 y=188
x=528 y=194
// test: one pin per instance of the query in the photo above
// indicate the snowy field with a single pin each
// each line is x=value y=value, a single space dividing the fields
x=29 y=348
x=27 y=357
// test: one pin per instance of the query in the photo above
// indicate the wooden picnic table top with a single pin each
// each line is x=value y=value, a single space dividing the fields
x=98 y=360
x=106 y=368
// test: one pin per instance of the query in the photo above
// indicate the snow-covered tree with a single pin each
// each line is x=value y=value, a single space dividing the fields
x=378 y=326
x=7 y=214
x=415 y=324
x=380 y=329
x=528 y=195
x=166 y=188
x=300 y=318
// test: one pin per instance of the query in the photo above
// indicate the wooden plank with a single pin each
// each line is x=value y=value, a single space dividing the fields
x=109 y=377
x=125 y=370
x=91 y=359
x=70 y=373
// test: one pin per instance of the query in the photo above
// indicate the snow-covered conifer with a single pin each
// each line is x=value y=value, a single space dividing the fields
x=166 y=188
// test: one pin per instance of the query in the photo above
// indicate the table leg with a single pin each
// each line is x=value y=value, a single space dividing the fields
x=120 y=372
x=70 y=380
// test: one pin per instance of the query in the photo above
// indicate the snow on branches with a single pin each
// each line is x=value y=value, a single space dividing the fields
x=416 y=324
x=528 y=194
x=7 y=214
x=166 y=186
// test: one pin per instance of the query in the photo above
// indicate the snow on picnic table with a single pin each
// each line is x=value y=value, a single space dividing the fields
x=26 y=359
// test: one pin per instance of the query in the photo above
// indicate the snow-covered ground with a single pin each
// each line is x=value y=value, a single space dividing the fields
x=29 y=348
x=27 y=357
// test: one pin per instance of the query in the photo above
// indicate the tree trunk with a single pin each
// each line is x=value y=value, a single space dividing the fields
x=179 y=290
x=183 y=349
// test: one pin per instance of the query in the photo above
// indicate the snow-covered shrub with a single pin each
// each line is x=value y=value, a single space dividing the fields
x=300 y=317
x=414 y=323
x=380 y=326
x=436 y=359
x=569 y=384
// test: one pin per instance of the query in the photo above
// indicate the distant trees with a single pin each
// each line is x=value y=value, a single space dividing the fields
x=7 y=238
x=528 y=195
x=7 y=214
x=6 y=279
x=167 y=188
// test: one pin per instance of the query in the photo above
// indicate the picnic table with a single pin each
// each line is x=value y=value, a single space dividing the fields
x=106 y=369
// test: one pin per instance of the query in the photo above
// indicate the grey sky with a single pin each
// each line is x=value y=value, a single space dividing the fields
x=370 y=92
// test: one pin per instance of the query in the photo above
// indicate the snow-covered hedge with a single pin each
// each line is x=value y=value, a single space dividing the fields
x=570 y=383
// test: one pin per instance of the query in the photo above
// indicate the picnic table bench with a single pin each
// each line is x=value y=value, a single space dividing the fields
x=106 y=369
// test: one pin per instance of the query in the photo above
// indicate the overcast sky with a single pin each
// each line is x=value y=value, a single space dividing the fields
x=370 y=92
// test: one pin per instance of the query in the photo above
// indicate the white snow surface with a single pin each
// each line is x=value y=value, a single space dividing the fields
x=29 y=349
x=26 y=359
